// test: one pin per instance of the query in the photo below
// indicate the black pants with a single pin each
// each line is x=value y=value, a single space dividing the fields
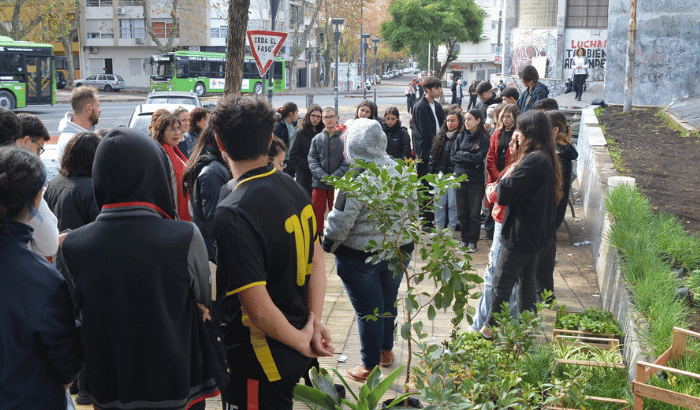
x=513 y=267
x=472 y=100
x=410 y=102
x=426 y=214
x=469 y=198
x=544 y=273
x=579 y=80
x=244 y=393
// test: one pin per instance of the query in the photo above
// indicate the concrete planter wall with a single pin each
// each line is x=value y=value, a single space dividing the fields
x=596 y=175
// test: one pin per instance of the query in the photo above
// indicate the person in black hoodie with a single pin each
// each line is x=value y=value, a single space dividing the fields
x=566 y=154
x=204 y=176
x=311 y=125
x=41 y=351
x=468 y=154
x=530 y=194
x=398 y=144
x=142 y=284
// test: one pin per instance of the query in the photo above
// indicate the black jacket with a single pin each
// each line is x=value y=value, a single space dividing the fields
x=443 y=163
x=483 y=106
x=211 y=175
x=398 y=142
x=566 y=155
x=468 y=154
x=299 y=156
x=527 y=99
x=72 y=201
x=528 y=193
x=138 y=275
x=40 y=339
x=424 y=128
x=281 y=131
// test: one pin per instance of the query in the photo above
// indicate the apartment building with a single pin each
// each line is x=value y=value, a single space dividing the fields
x=114 y=38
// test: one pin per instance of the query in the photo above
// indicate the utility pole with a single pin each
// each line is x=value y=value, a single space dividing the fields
x=274 y=5
x=631 y=49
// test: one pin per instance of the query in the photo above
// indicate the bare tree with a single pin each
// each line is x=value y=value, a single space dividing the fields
x=174 y=28
x=235 y=45
x=298 y=49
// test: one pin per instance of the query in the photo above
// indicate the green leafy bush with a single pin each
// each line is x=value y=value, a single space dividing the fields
x=592 y=320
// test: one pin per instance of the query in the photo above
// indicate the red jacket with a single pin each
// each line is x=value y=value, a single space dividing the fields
x=492 y=157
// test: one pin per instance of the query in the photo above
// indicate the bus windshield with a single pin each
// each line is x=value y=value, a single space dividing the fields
x=161 y=68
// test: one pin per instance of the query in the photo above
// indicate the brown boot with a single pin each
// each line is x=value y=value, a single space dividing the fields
x=387 y=358
x=359 y=373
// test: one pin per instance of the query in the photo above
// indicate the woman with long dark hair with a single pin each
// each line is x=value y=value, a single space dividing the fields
x=579 y=71
x=299 y=152
x=530 y=193
x=468 y=154
x=398 y=144
x=41 y=350
x=566 y=153
x=202 y=180
x=69 y=194
x=167 y=131
x=446 y=205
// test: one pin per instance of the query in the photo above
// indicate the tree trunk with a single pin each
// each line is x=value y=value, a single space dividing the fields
x=168 y=46
x=235 y=45
x=67 y=42
x=298 y=50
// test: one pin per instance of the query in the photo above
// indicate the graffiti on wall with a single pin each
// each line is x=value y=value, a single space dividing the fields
x=596 y=49
x=528 y=43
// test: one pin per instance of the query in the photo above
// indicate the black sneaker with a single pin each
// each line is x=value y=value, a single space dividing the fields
x=83 y=399
x=471 y=247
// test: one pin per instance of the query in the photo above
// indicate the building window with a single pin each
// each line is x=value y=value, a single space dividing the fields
x=219 y=32
x=99 y=29
x=162 y=29
x=296 y=15
x=587 y=13
x=494 y=25
x=130 y=3
x=129 y=28
x=99 y=3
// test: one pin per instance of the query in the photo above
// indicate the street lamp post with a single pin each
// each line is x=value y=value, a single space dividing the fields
x=338 y=23
x=363 y=41
x=375 y=41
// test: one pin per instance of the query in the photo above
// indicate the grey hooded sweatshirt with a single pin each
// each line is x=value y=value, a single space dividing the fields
x=348 y=229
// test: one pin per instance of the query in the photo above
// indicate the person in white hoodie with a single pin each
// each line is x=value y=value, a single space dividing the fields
x=85 y=106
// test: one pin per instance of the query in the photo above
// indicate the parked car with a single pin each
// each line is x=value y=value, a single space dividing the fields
x=377 y=79
x=173 y=97
x=397 y=73
x=141 y=117
x=407 y=70
x=60 y=80
x=107 y=82
x=416 y=70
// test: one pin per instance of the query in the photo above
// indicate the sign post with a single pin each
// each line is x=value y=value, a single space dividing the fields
x=265 y=45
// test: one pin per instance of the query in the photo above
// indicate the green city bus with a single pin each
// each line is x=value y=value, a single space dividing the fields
x=203 y=72
x=27 y=75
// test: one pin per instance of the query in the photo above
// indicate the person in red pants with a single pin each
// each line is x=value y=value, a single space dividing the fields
x=326 y=158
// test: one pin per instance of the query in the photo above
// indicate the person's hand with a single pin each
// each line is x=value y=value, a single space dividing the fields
x=305 y=336
x=321 y=342
x=205 y=312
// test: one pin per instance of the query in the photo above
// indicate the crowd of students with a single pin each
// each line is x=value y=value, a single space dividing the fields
x=130 y=305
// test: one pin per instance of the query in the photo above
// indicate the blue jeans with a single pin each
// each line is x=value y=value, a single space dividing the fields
x=449 y=201
x=371 y=287
x=482 y=309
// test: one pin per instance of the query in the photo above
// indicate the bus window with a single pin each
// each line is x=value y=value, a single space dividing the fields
x=278 y=70
x=10 y=63
x=182 y=69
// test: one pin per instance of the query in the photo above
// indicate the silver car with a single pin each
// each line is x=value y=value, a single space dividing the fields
x=173 y=97
x=107 y=82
